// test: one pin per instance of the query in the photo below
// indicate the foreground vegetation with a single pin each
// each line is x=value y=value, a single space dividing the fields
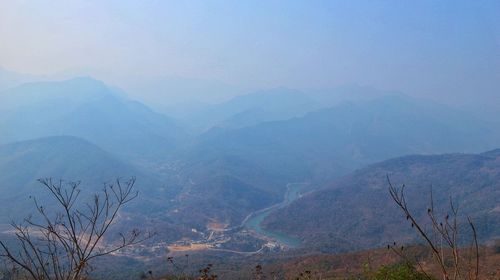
x=65 y=246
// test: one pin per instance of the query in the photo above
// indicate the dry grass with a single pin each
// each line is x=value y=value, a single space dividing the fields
x=343 y=266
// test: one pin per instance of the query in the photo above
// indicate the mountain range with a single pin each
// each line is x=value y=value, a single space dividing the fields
x=219 y=164
x=253 y=108
x=331 y=142
x=86 y=108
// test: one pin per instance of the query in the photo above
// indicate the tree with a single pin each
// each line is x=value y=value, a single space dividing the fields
x=455 y=261
x=61 y=245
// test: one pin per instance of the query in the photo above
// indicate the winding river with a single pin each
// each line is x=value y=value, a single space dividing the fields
x=253 y=222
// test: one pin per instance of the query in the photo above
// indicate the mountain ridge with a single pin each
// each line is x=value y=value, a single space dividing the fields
x=359 y=206
x=86 y=108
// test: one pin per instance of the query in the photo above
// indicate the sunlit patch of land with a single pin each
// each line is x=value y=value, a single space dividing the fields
x=189 y=247
x=216 y=226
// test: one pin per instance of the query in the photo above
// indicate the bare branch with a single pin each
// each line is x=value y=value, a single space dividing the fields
x=63 y=245
x=447 y=230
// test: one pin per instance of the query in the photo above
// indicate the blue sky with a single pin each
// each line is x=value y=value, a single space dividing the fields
x=444 y=49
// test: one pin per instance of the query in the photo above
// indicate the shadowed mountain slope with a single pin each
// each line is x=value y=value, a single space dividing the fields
x=66 y=158
x=357 y=212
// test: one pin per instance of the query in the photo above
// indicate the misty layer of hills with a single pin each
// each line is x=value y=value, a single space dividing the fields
x=222 y=162
x=85 y=108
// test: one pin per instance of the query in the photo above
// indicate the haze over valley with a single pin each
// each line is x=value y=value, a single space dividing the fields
x=252 y=143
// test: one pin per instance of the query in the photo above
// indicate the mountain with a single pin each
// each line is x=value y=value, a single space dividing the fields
x=179 y=97
x=357 y=212
x=70 y=159
x=253 y=108
x=9 y=79
x=332 y=142
x=349 y=93
x=86 y=108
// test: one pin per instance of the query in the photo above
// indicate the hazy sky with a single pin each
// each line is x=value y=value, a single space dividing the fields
x=440 y=48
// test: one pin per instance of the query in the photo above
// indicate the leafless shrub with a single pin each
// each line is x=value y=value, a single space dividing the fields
x=442 y=240
x=61 y=246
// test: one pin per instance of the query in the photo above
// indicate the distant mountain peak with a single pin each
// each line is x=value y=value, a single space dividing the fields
x=52 y=140
x=87 y=108
x=82 y=83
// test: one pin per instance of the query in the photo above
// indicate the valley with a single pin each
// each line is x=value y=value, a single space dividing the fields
x=220 y=239
x=249 y=140
x=237 y=190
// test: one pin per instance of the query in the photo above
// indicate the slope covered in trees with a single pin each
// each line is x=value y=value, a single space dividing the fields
x=356 y=211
